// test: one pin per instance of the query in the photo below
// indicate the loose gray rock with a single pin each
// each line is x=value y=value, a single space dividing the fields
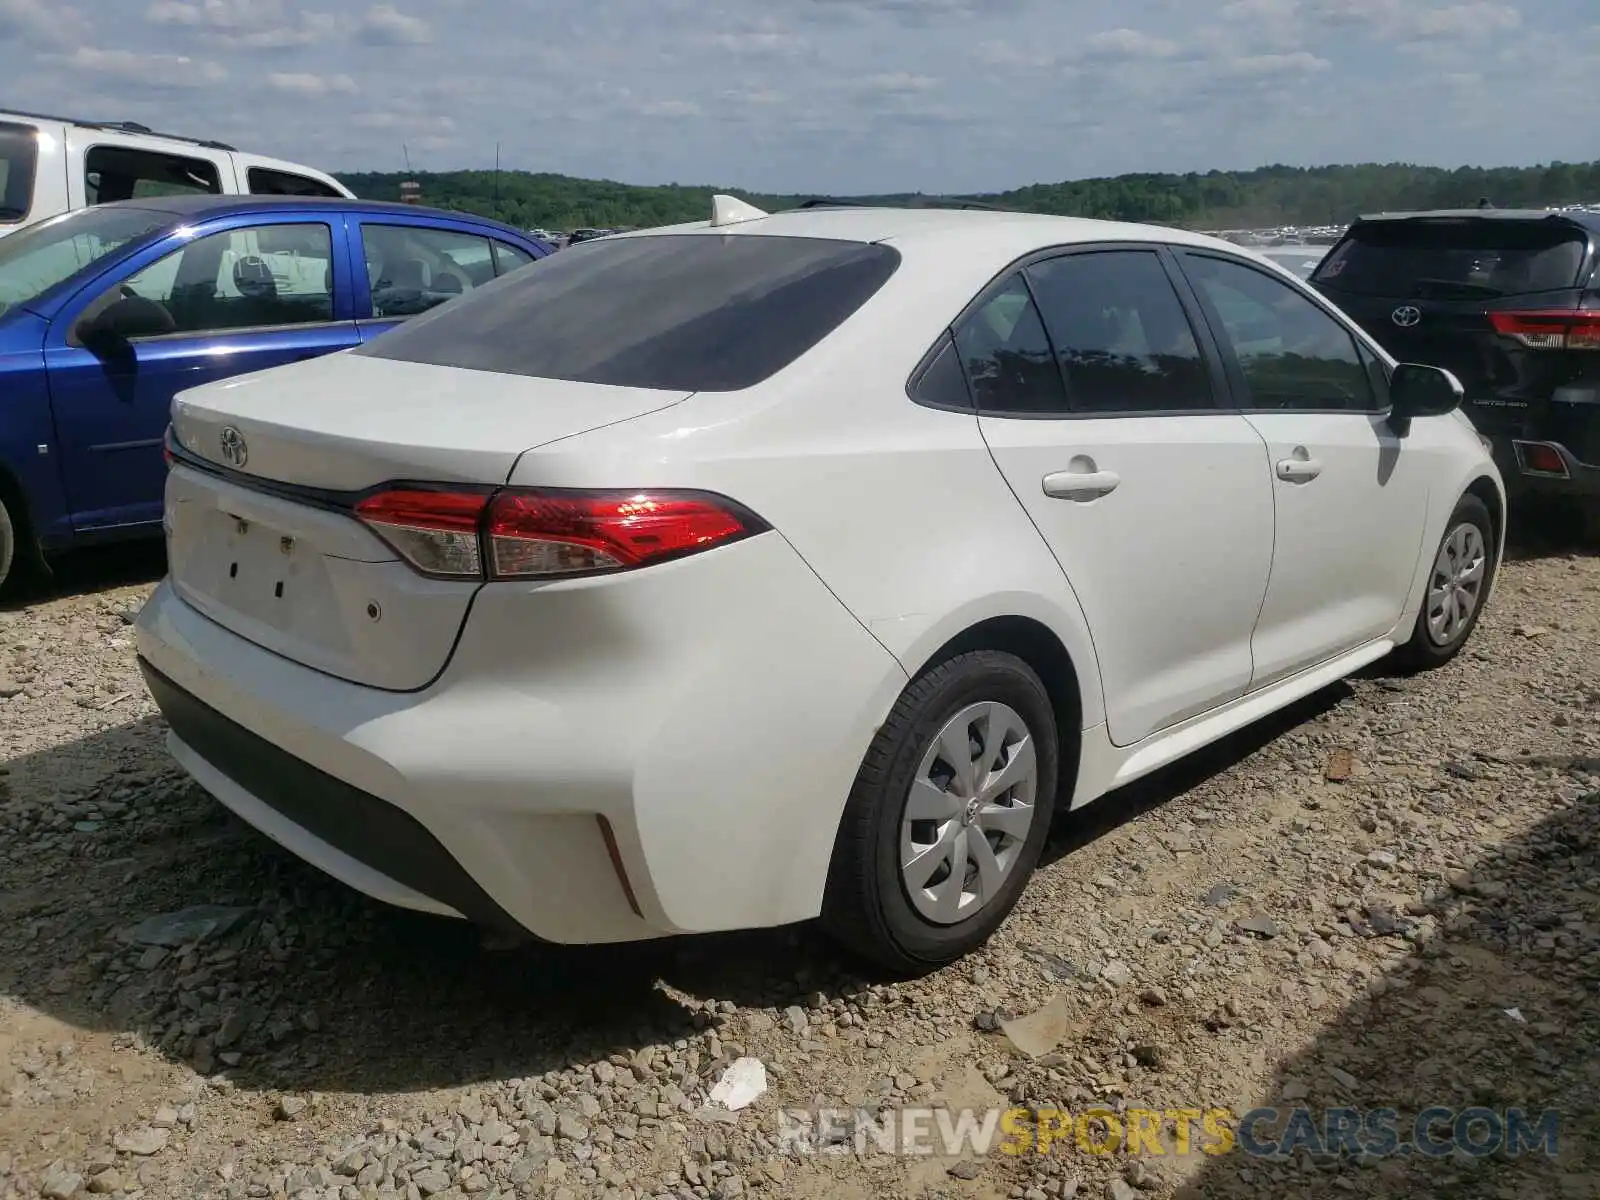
x=142 y=1142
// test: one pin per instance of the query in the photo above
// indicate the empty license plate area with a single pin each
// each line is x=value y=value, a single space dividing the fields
x=311 y=584
x=235 y=564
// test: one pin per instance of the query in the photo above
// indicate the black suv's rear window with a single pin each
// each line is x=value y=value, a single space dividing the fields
x=680 y=312
x=19 y=154
x=1454 y=259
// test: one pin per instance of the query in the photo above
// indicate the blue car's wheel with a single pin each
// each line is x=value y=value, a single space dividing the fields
x=8 y=545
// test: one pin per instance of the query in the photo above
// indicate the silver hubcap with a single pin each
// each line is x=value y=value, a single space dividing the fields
x=969 y=812
x=1456 y=584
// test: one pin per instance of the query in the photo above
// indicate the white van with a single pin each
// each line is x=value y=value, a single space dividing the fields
x=51 y=165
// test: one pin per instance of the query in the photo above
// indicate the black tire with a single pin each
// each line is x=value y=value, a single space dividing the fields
x=867 y=905
x=1590 y=524
x=1424 y=652
x=8 y=547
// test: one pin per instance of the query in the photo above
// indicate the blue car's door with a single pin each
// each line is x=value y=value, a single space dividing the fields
x=412 y=265
x=235 y=296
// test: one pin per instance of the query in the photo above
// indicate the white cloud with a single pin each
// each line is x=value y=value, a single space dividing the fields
x=305 y=84
x=1124 y=44
x=173 y=12
x=145 y=71
x=1300 y=62
x=899 y=81
x=1407 y=19
x=386 y=25
x=757 y=42
x=387 y=120
x=1011 y=57
x=40 y=23
x=669 y=108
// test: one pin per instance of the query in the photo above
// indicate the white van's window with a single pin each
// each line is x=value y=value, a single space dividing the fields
x=121 y=173
x=19 y=155
x=266 y=182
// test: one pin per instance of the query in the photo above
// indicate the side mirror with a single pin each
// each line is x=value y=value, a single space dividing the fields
x=1418 y=390
x=124 y=319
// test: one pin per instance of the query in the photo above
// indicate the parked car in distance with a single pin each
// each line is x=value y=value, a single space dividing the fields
x=52 y=165
x=1302 y=260
x=794 y=564
x=106 y=312
x=1510 y=302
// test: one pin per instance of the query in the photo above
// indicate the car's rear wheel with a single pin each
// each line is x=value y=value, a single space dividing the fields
x=948 y=815
x=8 y=547
x=1458 y=584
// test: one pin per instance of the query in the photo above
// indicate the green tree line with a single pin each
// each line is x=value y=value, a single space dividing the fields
x=1212 y=199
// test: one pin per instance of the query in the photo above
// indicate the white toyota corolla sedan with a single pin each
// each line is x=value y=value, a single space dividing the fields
x=731 y=574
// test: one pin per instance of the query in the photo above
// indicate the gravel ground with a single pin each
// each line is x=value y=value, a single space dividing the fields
x=1336 y=908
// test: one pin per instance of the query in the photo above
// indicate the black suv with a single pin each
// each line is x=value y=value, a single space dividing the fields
x=1509 y=302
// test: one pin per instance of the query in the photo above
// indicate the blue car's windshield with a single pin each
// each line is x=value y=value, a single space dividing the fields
x=33 y=260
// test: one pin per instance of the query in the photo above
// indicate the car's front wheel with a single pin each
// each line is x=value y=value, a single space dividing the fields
x=948 y=815
x=1458 y=584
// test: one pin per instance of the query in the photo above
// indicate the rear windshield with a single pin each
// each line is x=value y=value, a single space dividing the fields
x=677 y=312
x=19 y=152
x=1469 y=259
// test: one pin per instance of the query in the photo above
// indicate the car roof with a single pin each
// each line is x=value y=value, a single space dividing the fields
x=990 y=231
x=206 y=204
x=1586 y=218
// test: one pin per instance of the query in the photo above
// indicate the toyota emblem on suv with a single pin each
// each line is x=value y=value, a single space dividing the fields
x=1406 y=315
x=234 y=452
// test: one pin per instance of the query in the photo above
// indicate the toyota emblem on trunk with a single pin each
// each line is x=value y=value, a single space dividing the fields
x=234 y=452
x=1406 y=315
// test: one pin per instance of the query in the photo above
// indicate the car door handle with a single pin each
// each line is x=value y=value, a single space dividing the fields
x=1298 y=470
x=1080 y=485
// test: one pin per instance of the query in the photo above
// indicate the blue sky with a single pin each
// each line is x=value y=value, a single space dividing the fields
x=829 y=95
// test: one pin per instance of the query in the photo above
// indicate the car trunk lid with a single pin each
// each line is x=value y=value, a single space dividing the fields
x=261 y=532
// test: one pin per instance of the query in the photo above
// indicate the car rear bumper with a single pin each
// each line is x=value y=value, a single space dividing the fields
x=1578 y=479
x=601 y=760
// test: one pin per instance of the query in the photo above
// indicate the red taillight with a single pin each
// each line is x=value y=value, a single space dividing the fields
x=435 y=531
x=1562 y=329
x=535 y=534
x=528 y=534
x=1540 y=458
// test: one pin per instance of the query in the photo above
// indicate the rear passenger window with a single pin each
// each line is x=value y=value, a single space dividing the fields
x=266 y=182
x=1121 y=334
x=114 y=173
x=1292 y=354
x=942 y=385
x=1007 y=356
x=413 y=268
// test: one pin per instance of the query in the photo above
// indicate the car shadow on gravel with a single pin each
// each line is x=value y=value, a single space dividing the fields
x=317 y=988
x=1496 y=1009
x=84 y=572
x=1540 y=529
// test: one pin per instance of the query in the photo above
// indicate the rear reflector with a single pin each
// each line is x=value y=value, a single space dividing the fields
x=1561 y=329
x=1540 y=458
x=534 y=534
x=435 y=531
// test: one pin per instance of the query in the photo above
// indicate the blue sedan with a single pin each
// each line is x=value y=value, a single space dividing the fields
x=107 y=312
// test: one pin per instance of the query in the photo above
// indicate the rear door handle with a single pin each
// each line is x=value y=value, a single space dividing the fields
x=1080 y=485
x=1298 y=470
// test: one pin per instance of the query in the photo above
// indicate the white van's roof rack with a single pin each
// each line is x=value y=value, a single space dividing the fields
x=120 y=127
